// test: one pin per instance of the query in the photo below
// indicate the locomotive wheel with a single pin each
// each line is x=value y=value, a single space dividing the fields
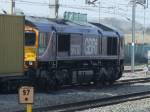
x=54 y=81
x=96 y=79
x=109 y=73
x=112 y=75
x=106 y=76
x=118 y=73
x=31 y=73
x=59 y=78
x=51 y=85
x=51 y=82
x=62 y=77
x=101 y=78
x=65 y=77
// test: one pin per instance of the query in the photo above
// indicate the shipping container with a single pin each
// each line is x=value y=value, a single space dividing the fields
x=11 y=45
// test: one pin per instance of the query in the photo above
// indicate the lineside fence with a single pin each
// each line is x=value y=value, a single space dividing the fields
x=141 y=53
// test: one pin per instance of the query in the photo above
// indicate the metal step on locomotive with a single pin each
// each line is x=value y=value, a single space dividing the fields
x=60 y=52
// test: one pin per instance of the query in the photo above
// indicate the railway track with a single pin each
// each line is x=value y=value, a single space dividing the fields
x=136 y=70
x=132 y=81
x=100 y=102
x=78 y=106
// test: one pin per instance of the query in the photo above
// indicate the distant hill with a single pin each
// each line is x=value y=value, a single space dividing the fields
x=148 y=30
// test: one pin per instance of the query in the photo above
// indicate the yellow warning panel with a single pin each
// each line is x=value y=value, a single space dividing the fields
x=26 y=95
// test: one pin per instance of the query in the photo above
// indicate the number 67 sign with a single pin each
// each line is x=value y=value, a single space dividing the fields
x=26 y=95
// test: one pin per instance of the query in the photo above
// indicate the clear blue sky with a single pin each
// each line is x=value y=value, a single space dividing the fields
x=109 y=8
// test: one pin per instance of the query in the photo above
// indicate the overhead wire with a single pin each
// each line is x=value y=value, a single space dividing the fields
x=116 y=9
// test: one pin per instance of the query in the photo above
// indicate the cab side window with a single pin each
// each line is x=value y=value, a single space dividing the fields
x=112 y=46
x=43 y=40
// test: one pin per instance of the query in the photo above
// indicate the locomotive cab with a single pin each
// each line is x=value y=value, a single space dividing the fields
x=30 y=54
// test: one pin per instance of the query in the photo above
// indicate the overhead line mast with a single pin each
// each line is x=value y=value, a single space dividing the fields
x=54 y=8
x=12 y=7
x=144 y=3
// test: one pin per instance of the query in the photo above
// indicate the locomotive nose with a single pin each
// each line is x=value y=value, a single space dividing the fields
x=30 y=54
x=30 y=57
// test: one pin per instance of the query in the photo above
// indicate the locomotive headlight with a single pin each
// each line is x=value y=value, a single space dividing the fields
x=30 y=63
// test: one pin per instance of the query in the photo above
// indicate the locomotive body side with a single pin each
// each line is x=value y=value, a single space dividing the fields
x=77 y=54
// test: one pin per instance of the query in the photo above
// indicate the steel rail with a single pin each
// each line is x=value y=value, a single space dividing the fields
x=132 y=81
x=136 y=70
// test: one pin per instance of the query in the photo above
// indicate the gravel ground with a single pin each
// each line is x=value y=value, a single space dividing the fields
x=9 y=103
x=141 y=74
x=132 y=106
x=136 y=67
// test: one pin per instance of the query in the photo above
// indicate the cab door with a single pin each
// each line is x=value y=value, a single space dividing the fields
x=63 y=45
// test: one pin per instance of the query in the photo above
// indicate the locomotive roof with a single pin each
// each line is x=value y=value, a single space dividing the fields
x=104 y=28
x=64 y=26
x=60 y=25
x=108 y=30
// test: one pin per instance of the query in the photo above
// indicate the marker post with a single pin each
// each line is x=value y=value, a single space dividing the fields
x=29 y=107
x=26 y=96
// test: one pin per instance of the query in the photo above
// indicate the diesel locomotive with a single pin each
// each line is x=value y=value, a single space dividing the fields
x=58 y=52
x=61 y=52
